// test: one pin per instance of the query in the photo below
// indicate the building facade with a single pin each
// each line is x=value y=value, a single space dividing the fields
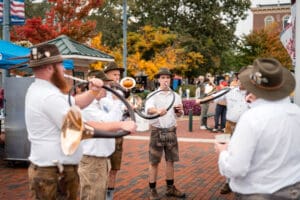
x=264 y=15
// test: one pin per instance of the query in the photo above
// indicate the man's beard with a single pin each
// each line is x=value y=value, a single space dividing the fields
x=59 y=81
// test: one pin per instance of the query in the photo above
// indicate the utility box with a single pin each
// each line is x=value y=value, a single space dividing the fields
x=17 y=145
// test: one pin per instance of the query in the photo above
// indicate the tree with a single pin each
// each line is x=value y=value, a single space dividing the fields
x=34 y=31
x=264 y=43
x=152 y=48
x=109 y=22
x=96 y=42
x=210 y=23
x=63 y=17
x=35 y=10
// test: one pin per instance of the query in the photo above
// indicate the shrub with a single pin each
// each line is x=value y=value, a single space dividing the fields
x=190 y=104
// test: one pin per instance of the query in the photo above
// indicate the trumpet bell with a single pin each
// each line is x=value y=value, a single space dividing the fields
x=127 y=83
x=71 y=132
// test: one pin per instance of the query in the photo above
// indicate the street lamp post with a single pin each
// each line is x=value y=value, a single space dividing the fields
x=125 y=37
x=5 y=31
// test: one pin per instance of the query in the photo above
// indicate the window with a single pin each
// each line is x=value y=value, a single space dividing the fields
x=285 y=21
x=268 y=20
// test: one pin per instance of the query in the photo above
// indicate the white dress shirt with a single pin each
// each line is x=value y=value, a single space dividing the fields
x=45 y=108
x=162 y=100
x=263 y=154
x=236 y=104
x=98 y=111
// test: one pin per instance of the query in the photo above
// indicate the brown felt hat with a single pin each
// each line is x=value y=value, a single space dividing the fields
x=163 y=71
x=99 y=74
x=43 y=55
x=112 y=66
x=268 y=79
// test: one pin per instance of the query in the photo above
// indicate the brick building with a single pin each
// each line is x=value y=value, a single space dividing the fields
x=264 y=15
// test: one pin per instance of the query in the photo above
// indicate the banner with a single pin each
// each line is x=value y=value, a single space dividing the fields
x=288 y=35
x=1 y=11
x=17 y=12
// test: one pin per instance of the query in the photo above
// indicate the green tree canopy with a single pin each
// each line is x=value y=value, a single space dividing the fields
x=206 y=27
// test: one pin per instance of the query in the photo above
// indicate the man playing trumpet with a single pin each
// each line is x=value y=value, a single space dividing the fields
x=52 y=175
x=163 y=135
x=45 y=107
x=95 y=165
x=113 y=72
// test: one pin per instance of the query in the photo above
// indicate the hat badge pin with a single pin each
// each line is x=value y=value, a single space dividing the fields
x=47 y=54
x=34 y=53
x=258 y=79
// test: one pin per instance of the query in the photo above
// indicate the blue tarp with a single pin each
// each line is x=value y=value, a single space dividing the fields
x=9 y=50
x=68 y=64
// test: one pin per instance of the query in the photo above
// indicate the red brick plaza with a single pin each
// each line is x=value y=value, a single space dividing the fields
x=196 y=173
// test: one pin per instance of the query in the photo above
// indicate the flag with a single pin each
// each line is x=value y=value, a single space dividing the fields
x=17 y=12
x=1 y=11
x=288 y=35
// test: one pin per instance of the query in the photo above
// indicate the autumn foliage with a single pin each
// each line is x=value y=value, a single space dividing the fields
x=152 y=48
x=34 y=30
x=266 y=43
x=68 y=17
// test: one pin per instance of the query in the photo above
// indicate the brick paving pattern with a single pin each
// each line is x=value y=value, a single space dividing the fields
x=196 y=173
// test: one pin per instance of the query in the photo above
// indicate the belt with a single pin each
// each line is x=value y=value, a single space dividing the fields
x=66 y=167
x=89 y=156
x=171 y=129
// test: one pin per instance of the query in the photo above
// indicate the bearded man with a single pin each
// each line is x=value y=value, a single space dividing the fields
x=46 y=105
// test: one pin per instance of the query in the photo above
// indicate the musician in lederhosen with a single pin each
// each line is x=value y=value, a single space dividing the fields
x=113 y=72
x=163 y=134
x=95 y=164
x=52 y=175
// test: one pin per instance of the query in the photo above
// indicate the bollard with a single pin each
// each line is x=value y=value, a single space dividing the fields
x=190 y=120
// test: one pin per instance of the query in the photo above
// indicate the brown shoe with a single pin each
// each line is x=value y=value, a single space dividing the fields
x=153 y=194
x=174 y=192
x=225 y=189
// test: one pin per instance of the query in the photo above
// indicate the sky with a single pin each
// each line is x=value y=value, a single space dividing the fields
x=245 y=26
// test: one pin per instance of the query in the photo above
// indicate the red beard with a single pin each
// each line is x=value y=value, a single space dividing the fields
x=59 y=81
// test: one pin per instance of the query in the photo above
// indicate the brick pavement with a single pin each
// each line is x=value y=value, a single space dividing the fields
x=196 y=173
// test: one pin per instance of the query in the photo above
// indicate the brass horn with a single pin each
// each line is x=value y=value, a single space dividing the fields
x=74 y=129
x=125 y=85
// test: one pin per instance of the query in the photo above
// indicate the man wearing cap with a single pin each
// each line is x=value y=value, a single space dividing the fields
x=46 y=105
x=113 y=72
x=261 y=159
x=94 y=166
x=163 y=134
